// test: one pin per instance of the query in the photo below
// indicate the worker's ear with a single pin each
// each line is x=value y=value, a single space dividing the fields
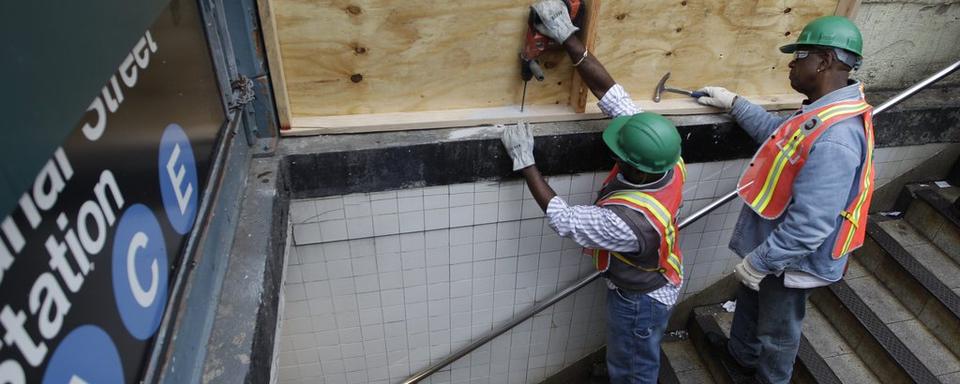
x=827 y=61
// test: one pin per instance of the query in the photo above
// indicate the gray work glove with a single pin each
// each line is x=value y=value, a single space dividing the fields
x=748 y=275
x=717 y=97
x=555 y=19
x=518 y=140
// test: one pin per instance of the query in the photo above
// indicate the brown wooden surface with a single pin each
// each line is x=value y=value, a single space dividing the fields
x=731 y=43
x=579 y=90
x=400 y=121
x=376 y=57
x=275 y=61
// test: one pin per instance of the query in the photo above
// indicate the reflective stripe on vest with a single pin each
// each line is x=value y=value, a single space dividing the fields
x=853 y=228
x=658 y=207
x=766 y=186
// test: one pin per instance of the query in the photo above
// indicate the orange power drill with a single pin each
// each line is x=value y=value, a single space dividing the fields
x=535 y=43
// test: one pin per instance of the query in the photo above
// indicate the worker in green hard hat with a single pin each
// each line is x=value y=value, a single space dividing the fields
x=806 y=195
x=631 y=229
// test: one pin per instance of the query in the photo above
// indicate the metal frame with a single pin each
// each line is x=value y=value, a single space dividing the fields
x=537 y=308
x=208 y=233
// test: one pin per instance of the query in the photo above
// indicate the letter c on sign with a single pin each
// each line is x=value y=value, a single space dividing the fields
x=139 y=270
x=144 y=298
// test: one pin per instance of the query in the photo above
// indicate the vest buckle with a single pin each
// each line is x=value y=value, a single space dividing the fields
x=849 y=217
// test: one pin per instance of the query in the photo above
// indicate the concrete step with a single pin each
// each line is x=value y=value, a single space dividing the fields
x=921 y=276
x=871 y=339
x=932 y=214
x=904 y=325
x=809 y=367
x=842 y=358
x=680 y=364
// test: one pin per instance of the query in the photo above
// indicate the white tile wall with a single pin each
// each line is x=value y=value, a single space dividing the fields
x=378 y=285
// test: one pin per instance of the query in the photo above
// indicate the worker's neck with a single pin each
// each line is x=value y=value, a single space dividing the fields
x=827 y=85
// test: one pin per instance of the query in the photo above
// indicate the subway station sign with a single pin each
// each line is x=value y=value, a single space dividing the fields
x=87 y=254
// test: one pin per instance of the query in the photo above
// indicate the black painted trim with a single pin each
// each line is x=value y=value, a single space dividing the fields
x=443 y=163
x=879 y=331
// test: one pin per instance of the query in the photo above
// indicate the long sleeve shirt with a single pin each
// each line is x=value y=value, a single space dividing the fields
x=800 y=241
x=597 y=227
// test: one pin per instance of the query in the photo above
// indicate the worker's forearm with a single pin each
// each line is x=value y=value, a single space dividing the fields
x=591 y=71
x=539 y=188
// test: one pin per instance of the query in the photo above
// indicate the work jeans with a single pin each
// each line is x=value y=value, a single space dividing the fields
x=635 y=326
x=765 y=334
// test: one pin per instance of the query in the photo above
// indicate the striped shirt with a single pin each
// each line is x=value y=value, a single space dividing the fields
x=597 y=227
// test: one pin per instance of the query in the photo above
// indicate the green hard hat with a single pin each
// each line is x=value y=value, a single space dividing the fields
x=829 y=31
x=646 y=141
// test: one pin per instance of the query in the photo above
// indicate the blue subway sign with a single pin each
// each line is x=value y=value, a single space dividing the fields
x=88 y=252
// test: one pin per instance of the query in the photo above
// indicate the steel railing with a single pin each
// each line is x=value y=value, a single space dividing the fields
x=538 y=307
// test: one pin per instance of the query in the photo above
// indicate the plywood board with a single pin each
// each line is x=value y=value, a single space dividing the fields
x=731 y=44
x=376 y=57
x=275 y=61
x=396 y=121
x=588 y=33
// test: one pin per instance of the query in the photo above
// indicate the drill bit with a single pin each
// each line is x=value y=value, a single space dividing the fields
x=524 y=97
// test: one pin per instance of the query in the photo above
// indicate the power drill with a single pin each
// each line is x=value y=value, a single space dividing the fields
x=535 y=43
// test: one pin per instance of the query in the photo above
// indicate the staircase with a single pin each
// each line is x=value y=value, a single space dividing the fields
x=894 y=318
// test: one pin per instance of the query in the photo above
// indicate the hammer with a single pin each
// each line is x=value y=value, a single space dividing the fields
x=662 y=86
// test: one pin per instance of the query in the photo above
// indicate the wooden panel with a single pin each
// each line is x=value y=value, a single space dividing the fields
x=731 y=43
x=275 y=61
x=375 y=56
x=399 y=121
x=423 y=57
x=579 y=90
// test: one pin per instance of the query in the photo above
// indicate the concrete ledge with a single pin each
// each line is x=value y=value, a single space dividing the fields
x=242 y=341
x=339 y=164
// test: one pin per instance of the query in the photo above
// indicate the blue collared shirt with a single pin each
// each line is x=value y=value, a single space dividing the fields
x=802 y=238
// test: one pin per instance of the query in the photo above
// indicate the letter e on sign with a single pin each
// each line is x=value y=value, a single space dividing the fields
x=178 y=178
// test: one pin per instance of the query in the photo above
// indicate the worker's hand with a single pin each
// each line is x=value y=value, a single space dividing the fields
x=518 y=140
x=554 y=20
x=748 y=275
x=717 y=97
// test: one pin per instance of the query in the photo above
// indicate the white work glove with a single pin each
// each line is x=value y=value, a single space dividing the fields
x=555 y=18
x=717 y=97
x=748 y=275
x=518 y=140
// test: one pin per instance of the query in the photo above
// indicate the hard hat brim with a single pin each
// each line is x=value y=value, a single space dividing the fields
x=789 y=48
x=611 y=134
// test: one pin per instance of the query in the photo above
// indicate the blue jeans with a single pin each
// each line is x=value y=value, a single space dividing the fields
x=765 y=334
x=635 y=326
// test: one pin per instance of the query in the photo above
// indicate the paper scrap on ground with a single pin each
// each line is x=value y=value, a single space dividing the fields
x=730 y=306
x=942 y=184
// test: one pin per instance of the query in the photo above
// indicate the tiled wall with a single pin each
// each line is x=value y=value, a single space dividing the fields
x=378 y=285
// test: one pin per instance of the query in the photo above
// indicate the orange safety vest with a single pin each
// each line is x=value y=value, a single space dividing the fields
x=767 y=184
x=660 y=208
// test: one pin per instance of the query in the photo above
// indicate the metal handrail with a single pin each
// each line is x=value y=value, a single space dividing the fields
x=516 y=320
